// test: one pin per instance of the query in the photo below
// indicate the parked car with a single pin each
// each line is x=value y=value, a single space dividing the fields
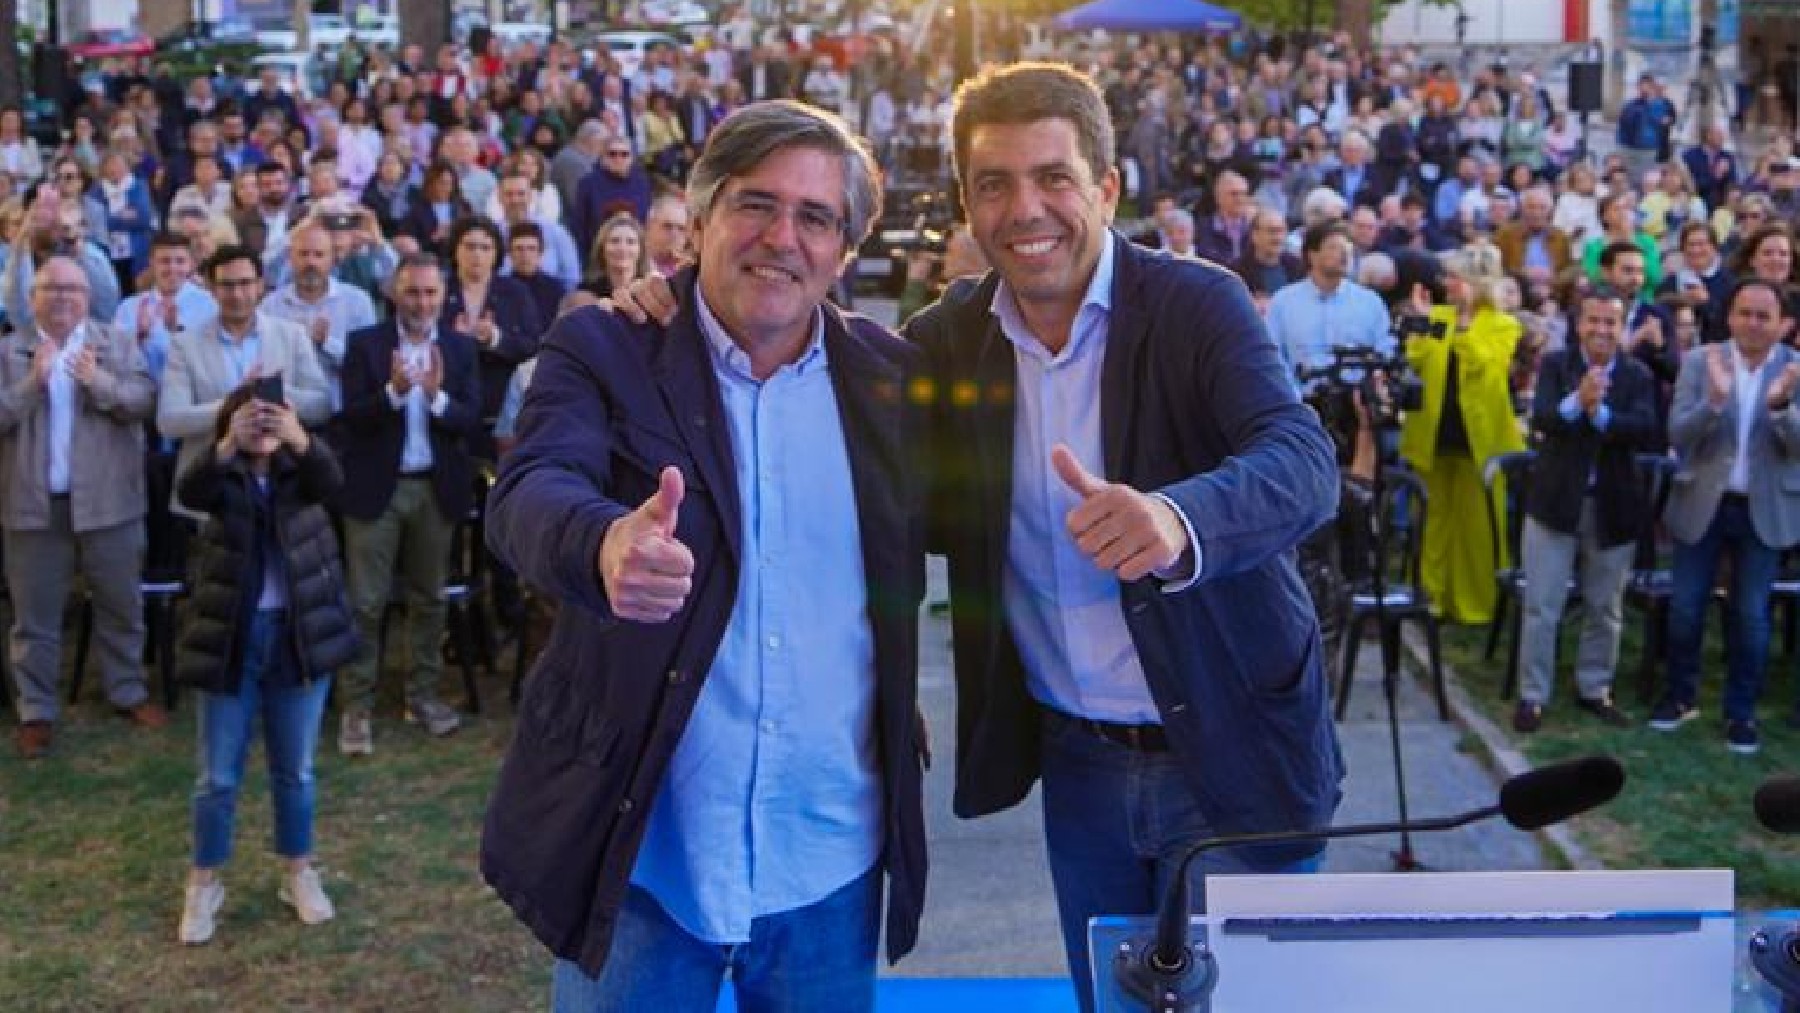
x=327 y=30
x=675 y=12
x=297 y=72
x=104 y=43
x=629 y=47
x=379 y=30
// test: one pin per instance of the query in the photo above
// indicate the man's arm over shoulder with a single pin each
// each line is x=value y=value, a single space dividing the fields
x=551 y=505
x=1278 y=481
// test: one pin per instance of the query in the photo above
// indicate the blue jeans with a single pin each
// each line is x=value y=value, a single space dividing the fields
x=290 y=723
x=1116 y=822
x=1753 y=567
x=819 y=957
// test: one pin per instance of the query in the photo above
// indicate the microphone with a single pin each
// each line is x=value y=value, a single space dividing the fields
x=1775 y=953
x=1169 y=977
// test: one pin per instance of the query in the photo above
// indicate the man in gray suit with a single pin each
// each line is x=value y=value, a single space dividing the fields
x=1737 y=434
x=208 y=362
x=74 y=394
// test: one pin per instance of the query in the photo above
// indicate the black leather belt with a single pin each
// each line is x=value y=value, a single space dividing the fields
x=1138 y=738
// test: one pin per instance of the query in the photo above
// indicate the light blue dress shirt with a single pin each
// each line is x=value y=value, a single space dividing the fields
x=773 y=799
x=62 y=393
x=345 y=307
x=1064 y=612
x=415 y=450
x=242 y=353
x=1306 y=322
x=194 y=308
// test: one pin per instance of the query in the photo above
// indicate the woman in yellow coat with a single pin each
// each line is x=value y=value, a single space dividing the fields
x=1467 y=418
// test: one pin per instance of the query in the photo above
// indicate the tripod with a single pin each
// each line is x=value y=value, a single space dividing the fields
x=1404 y=858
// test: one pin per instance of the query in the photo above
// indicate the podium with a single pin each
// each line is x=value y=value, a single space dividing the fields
x=1549 y=942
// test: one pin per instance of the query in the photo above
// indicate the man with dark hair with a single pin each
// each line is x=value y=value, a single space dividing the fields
x=1266 y=266
x=214 y=358
x=1593 y=412
x=525 y=261
x=172 y=304
x=1649 y=329
x=728 y=508
x=74 y=396
x=266 y=225
x=560 y=257
x=1735 y=431
x=412 y=410
x=1100 y=591
x=1327 y=308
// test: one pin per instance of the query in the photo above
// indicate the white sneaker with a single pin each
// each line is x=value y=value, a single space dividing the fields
x=356 y=735
x=197 y=913
x=302 y=892
x=438 y=717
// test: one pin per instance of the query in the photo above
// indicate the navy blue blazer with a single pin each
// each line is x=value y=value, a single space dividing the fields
x=1194 y=403
x=610 y=405
x=370 y=432
x=1572 y=453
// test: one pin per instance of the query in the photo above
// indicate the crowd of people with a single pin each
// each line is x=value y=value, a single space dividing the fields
x=280 y=345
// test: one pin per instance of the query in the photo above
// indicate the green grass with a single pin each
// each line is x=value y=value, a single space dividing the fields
x=1686 y=802
x=94 y=848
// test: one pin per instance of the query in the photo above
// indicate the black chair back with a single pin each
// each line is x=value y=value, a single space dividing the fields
x=1507 y=531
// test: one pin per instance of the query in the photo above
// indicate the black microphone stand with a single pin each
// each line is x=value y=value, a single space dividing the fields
x=1170 y=979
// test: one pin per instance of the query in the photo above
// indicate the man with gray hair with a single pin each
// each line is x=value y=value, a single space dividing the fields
x=577 y=159
x=74 y=397
x=718 y=756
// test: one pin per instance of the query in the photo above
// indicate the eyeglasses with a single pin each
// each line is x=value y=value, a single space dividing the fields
x=618 y=154
x=64 y=176
x=815 y=222
x=62 y=288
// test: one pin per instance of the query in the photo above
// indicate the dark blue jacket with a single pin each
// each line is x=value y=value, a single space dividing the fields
x=611 y=405
x=1207 y=415
x=371 y=432
x=602 y=195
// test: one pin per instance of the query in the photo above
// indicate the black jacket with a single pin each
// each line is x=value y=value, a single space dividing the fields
x=371 y=432
x=1570 y=452
x=225 y=578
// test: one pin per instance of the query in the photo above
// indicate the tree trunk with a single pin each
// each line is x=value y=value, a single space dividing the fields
x=12 y=80
x=425 y=22
x=1358 y=18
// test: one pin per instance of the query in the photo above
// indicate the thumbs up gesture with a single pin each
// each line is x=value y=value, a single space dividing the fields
x=1131 y=533
x=646 y=571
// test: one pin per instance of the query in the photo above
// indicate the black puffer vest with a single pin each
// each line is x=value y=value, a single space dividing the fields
x=222 y=565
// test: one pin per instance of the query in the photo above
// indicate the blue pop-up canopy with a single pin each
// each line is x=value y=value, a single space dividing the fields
x=1150 y=16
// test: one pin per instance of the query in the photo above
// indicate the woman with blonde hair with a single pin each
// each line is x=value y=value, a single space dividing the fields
x=619 y=257
x=1466 y=419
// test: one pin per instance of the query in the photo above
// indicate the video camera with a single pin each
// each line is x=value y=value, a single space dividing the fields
x=1385 y=384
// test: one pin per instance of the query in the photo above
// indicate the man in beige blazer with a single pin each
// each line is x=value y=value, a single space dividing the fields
x=241 y=344
x=74 y=394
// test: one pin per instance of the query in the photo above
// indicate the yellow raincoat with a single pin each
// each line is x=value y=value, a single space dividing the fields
x=1457 y=566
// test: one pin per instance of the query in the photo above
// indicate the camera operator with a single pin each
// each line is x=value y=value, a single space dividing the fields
x=1594 y=410
x=929 y=272
x=1326 y=309
x=1466 y=417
